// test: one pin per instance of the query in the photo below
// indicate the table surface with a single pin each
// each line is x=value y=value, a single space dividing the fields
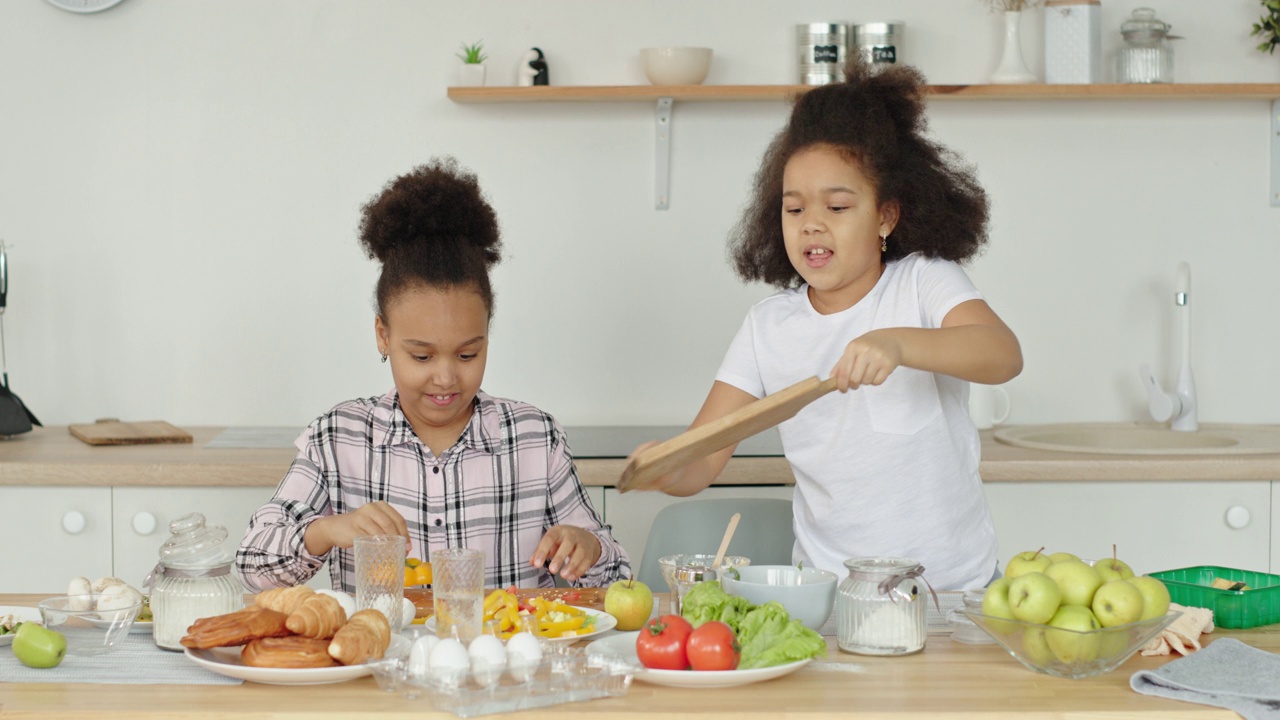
x=948 y=679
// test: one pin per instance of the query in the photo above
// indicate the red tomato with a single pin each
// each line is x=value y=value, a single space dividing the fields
x=661 y=643
x=713 y=647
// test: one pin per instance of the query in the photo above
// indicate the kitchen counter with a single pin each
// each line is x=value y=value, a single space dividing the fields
x=51 y=456
x=947 y=680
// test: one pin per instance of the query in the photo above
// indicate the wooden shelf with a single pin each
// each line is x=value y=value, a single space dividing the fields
x=748 y=93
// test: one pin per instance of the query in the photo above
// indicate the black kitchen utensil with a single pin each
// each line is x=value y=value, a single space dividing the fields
x=15 y=418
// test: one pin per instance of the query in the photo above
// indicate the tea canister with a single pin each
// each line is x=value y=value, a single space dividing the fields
x=193 y=580
x=1073 y=41
x=879 y=42
x=821 y=48
x=1147 y=56
x=880 y=609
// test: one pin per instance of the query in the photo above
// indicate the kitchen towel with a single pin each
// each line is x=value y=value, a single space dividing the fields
x=1226 y=673
x=135 y=661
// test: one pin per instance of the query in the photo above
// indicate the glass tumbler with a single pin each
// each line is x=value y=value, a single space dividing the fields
x=380 y=575
x=457 y=585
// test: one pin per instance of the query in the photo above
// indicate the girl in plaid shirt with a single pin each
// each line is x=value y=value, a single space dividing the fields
x=436 y=459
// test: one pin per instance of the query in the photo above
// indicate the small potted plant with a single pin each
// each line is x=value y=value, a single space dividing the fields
x=1268 y=26
x=472 y=71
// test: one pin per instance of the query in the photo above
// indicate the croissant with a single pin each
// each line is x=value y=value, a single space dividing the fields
x=287 y=652
x=318 y=617
x=285 y=600
x=365 y=637
x=235 y=628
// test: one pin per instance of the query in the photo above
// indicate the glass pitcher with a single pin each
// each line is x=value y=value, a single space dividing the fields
x=1147 y=56
x=193 y=580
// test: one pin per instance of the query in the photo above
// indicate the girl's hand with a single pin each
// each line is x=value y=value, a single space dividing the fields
x=375 y=518
x=867 y=360
x=571 y=549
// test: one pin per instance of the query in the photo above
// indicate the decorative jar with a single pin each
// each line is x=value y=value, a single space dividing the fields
x=1147 y=56
x=193 y=580
x=880 y=609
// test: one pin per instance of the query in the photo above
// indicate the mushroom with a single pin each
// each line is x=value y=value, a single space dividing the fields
x=81 y=594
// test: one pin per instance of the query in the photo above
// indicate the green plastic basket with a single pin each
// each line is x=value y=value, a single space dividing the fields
x=1232 y=609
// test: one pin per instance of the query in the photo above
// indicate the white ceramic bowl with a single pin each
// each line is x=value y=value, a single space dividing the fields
x=676 y=65
x=808 y=594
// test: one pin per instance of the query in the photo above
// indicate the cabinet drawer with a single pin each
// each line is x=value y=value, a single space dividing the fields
x=50 y=535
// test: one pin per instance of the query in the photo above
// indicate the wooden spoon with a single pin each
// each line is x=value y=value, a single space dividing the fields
x=724 y=544
x=690 y=445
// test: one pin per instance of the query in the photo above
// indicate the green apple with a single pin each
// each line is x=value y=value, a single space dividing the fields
x=1076 y=579
x=1070 y=635
x=1034 y=597
x=1062 y=557
x=38 y=647
x=1025 y=562
x=995 y=603
x=1035 y=647
x=630 y=602
x=1117 y=603
x=1155 y=596
x=1113 y=569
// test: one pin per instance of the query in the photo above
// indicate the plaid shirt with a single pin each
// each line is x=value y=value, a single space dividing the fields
x=508 y=479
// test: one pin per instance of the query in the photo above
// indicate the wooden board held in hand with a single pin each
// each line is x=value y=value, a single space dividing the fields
x=114 y=432
x=700 y=442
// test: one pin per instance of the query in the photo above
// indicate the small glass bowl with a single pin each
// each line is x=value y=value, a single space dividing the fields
x=88 y=632
x=669 y=563
x=1042 y=648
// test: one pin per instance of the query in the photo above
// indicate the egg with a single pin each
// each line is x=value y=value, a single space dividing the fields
x=449 y=661
x=347 y=602
x=408 y=611
x=524 y=652
x=420 y=654
x=488 y=659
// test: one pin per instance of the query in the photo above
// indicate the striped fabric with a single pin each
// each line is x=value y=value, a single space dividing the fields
x=508 y=479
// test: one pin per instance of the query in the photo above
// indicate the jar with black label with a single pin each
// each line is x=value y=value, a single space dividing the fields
x=822 y=48
x=879 y=42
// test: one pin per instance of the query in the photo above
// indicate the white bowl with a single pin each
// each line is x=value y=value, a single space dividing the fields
x=808 y=594
x=676 y=65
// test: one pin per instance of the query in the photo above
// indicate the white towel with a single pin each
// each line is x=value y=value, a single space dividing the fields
x=1183 y=634
x=1226 y=674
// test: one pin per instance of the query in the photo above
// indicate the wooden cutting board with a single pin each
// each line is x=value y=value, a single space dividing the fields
x=114 y=432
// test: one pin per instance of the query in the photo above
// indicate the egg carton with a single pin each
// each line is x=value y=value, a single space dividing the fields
x=564 y=675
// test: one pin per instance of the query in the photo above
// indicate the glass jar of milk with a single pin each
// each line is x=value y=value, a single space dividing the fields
x=880 y=609
x=193 y=580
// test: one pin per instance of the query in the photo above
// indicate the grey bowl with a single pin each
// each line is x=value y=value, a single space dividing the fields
x=808 y=594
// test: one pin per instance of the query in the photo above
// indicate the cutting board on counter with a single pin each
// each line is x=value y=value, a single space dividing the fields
x=114 y=432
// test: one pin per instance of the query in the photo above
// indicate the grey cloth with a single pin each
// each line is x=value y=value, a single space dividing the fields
x=135 y=661
x=1226 y=674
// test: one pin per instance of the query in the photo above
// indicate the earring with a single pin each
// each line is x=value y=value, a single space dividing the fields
x=884 y=243
x=384 y=357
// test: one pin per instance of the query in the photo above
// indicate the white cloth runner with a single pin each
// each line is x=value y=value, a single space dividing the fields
x=135 y=661
x=1227 y=674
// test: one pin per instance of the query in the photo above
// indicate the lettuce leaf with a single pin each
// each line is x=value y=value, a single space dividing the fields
x=707 y=601
x=766 y=633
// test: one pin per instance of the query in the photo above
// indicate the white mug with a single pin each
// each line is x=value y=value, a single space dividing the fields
x=982 y=405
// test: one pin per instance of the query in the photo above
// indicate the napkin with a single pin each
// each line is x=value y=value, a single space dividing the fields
x=1227 y=674
x=1183 y=634
x=135 y=661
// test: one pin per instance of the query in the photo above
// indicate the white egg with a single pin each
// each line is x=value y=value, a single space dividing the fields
x=488 y=659
x=524 y=652
x=347 y=602
x=408 y=611
x=420 y=654
x=449 y=661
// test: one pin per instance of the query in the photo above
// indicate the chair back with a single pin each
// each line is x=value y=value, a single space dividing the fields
x=764 y=533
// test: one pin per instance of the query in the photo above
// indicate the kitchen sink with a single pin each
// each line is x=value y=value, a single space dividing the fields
x=1144 y=438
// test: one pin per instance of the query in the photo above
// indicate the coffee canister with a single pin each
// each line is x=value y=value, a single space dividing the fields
x=821 y=48
x=879 y=42
x=1073 y=41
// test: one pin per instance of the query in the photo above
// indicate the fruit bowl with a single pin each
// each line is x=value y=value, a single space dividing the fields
x=1071 y=654
x=87 y=631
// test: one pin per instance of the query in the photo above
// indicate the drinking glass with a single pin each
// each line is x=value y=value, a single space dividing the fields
x=457 y=586
x=380 y=575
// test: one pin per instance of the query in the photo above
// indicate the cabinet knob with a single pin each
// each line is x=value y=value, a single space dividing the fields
x=1237 y=516
x=73 y=522
x=144 y=523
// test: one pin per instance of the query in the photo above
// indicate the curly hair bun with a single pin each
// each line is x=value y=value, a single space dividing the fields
x=435 y=208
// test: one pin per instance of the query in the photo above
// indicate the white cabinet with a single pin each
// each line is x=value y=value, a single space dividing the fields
x=50 y=534
x=1154 y=525
x=632 y=514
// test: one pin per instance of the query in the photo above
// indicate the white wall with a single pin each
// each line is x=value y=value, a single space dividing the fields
x=180 y=185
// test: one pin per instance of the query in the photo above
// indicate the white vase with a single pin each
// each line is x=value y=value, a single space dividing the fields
x=1012 y=70
x=471 y=75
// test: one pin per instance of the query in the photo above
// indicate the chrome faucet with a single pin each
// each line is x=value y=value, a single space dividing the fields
x=1178 y=406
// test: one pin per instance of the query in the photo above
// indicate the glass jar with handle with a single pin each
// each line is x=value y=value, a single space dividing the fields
x=880 y=609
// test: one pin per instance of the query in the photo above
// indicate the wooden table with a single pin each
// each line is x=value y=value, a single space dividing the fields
x=948 y=679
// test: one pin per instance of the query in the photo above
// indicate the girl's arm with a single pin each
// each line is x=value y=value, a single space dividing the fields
x=972 y=344
x=696 y=476
x=274 y=552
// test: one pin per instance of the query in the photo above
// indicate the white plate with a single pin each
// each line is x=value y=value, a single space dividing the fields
x=624 y=645
x=604 y=623
x=226 y=661
x=19 y=613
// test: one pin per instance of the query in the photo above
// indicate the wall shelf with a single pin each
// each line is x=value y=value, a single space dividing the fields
x=665 y=95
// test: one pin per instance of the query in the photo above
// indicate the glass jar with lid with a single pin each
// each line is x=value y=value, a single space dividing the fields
x=193 y=580
x=1146 y=56
x=880 y=609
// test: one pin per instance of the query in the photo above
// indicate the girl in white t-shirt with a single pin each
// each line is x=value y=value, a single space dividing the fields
x=861 y=221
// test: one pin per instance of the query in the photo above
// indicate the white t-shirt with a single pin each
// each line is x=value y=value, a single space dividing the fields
x=889 y=470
